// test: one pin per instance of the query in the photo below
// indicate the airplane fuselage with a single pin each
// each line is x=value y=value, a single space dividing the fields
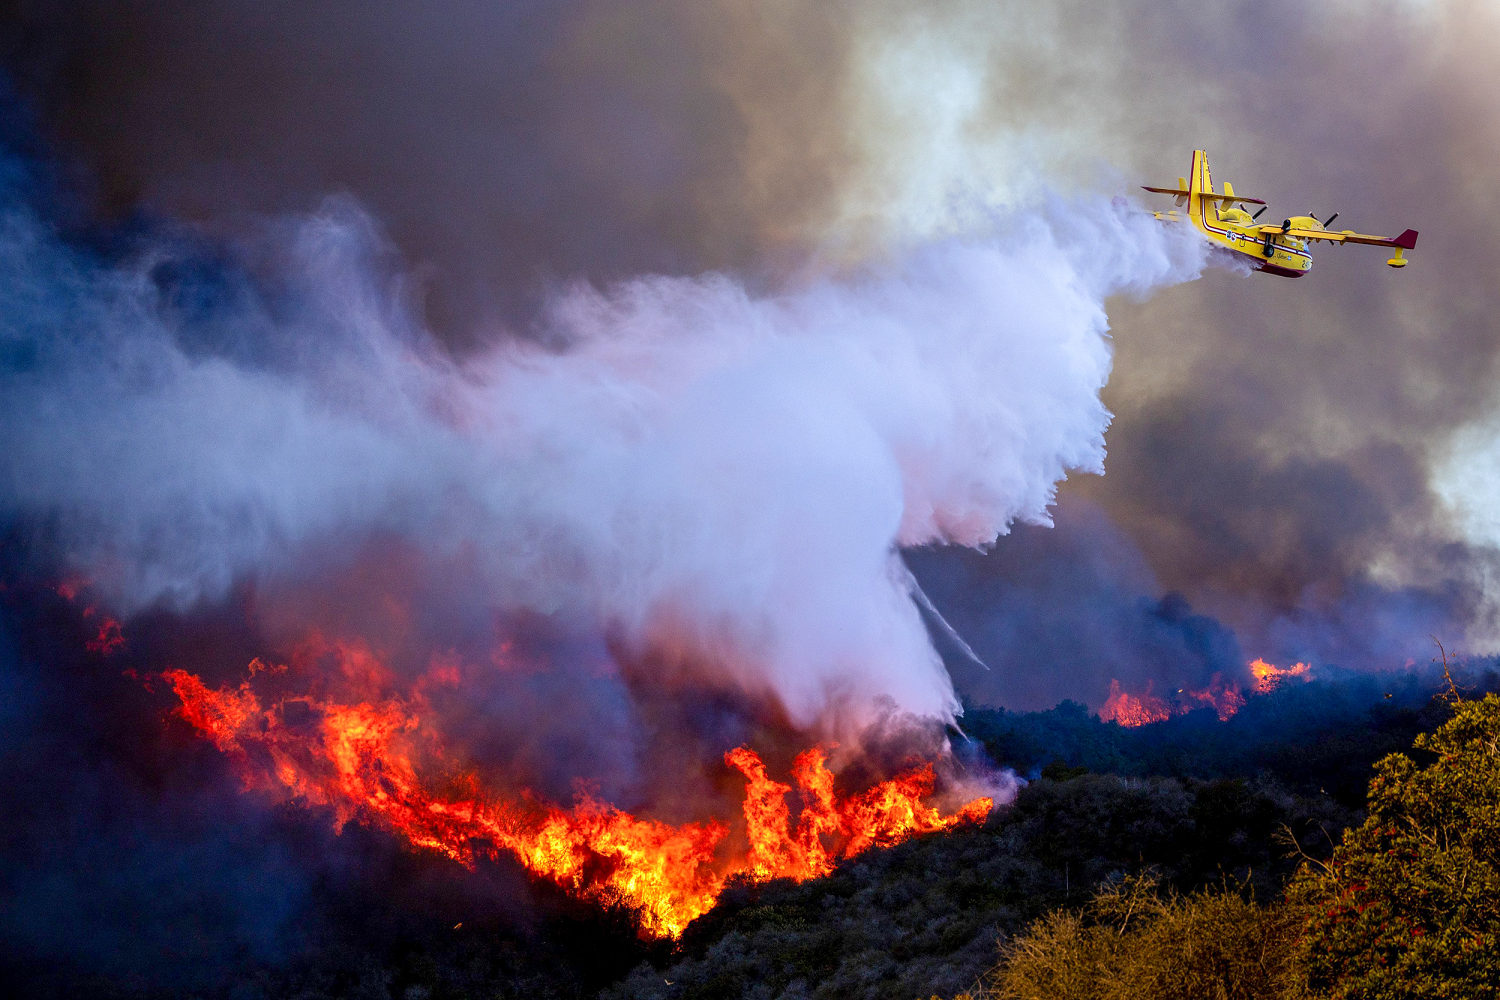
x=1288 y=257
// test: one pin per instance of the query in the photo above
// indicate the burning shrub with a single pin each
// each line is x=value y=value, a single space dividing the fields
x=380 y=758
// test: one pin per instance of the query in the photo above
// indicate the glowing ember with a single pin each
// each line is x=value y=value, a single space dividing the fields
x=69 y=588
x=379 y=759
x=110 y=639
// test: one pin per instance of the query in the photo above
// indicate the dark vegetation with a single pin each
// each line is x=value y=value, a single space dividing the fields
x=1315 y=738
x=924 y=916
x=1184 y=806
x=1407 y=906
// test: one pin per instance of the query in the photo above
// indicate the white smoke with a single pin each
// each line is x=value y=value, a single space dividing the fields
x=717 y=477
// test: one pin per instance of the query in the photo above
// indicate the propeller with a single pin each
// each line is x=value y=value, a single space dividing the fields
x=1258 y=211
x=1328 y=223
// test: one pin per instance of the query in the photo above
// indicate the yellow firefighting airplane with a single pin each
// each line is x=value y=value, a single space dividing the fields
x=1279 y=249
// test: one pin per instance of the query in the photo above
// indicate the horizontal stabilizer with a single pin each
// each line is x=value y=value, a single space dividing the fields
x=1205 y=196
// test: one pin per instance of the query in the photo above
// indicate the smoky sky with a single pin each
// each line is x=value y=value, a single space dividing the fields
x=496 y=187
x=1275 y=456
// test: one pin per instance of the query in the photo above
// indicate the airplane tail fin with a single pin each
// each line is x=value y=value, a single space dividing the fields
x=1199 y=184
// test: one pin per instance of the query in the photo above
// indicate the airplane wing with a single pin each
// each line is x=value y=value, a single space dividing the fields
x=1207 y=197
x=1406 y=241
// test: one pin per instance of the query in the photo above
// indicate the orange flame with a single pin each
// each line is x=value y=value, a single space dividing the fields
x=376 y=760
x=886 y=814
x=1133 y=710
x=1221 y=695
x=1268 y=676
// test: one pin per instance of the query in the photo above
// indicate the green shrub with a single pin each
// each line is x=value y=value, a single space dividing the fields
x=1409 y=904
x=1135 y=941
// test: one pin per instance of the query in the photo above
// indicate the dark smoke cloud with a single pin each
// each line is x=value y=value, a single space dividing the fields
x=1078 y=605
x=506 y=146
